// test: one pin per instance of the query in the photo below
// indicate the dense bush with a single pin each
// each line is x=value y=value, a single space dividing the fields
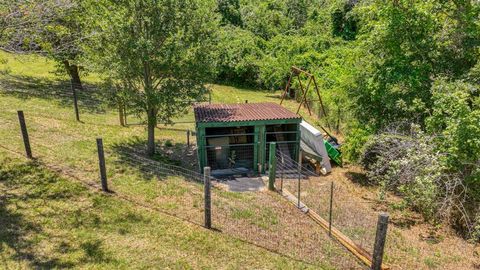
x=409 y=164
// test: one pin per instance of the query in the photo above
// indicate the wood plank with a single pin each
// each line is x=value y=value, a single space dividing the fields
x=356 y=250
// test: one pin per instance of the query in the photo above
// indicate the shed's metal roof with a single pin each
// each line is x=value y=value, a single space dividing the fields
x=241 y=112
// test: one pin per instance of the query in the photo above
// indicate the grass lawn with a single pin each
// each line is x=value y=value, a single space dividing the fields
x=48 y=221
x=54 y=218
x=51 y=217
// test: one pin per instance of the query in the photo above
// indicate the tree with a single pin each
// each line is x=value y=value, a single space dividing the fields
x=230 y=11
x=161 y=51
x=343 y=23
x=297 y=11
x=52 y=28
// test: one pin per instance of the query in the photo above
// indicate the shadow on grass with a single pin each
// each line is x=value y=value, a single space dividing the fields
x=168 y=158
x=18 y=232
x=359 y=178
x=33 y=204
x=25 y=87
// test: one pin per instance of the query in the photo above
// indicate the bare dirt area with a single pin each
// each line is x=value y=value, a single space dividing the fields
x=411 y=243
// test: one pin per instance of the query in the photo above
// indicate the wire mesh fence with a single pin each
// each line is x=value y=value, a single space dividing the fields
x=263 y=219
x=351 y=215
x=233 y=156
x=85 y=99
x=269 y=221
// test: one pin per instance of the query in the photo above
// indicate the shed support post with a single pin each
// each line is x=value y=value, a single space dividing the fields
x=201 y=149
x=262 y=147
x=256 y=148
x=272 y=167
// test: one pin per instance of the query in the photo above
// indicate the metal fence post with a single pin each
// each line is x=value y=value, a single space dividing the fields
x=330 y=211
x=299 y=176
x=380 y=238
x=101 y=163
x=26 y=139
x=208 y=198
x=281 y=177
x=188 y=138
x=75 y=101
x=272 y=167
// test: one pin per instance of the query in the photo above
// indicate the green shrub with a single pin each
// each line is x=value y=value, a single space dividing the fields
x=410 y=165
x=354 y=144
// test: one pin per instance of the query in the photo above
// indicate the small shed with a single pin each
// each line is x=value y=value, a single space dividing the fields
x=235 y=138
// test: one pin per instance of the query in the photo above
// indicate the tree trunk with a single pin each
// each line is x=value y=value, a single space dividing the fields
x=72 y=70
x=152 y=123
x=121 y=115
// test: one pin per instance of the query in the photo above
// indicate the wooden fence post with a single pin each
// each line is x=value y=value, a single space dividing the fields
x=380 y=238
x=101 y=163
x=330 y=211
x=188 y=138
x=272 y=166
x=75 y=101
x=26 y=139
x=208 y=198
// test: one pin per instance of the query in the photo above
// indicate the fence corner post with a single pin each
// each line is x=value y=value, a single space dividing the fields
x=101 y=164
x=26 y=139
x=272 y=166
x=380 y=238
x=207 y=198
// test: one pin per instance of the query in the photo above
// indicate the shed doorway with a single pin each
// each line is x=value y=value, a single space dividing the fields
x=230 y=150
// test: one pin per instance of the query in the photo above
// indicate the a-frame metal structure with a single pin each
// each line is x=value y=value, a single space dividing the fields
x=297 y=72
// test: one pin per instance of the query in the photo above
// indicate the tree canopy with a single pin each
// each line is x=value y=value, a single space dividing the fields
x=160 y=52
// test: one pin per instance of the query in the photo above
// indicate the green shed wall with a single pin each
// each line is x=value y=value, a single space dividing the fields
x=259 y=139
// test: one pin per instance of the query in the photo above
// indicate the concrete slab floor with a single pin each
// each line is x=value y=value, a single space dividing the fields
x=244 y=184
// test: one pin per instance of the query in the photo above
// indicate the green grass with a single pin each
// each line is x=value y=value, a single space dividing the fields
x=35 y=66
x=263 y=217
x=62 y=224
x=51 y=222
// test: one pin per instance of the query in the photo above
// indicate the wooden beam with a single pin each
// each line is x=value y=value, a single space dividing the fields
x=299 y=70
x=286 y=87
x=356 y=250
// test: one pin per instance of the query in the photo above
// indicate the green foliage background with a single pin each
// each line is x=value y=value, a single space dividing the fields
x=381 y=66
